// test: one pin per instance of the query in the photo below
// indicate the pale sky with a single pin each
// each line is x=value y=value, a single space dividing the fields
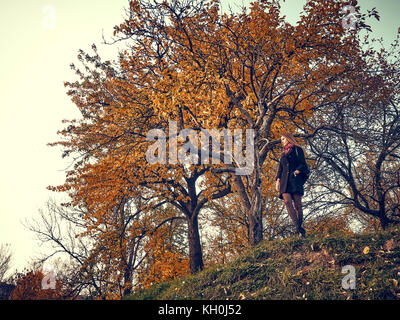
x=39 y=40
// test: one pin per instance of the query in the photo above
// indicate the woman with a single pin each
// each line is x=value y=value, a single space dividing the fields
x=290 y=181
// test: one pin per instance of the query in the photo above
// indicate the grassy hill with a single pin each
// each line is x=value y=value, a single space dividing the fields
x=297 y=269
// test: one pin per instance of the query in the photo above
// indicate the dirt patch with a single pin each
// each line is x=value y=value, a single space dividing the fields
x=391 y=245
x=311 y=260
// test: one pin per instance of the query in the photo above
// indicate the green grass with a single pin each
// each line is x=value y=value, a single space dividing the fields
x=297 y=269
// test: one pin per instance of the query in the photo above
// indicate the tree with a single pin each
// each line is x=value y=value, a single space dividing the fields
x=58 y=228
x=167 y=257
x=103 y=257
x=358 y=152
x=111 y=142
x=5 y=260
x=188 y=65
x=253 y=69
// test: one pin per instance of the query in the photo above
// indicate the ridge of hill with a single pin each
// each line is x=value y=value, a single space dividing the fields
x=298 y=269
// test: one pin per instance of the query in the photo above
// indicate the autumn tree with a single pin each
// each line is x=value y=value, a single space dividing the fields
x=187 y=65
x=112 y=146
x=253 y=69
x=166 y=253
x=226 y=234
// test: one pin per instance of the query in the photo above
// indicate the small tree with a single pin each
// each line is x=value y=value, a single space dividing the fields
x=5 y=260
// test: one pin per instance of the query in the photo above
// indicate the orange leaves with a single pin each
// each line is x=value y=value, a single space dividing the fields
x=165 y=261
x=29 y=287
x=328 y=225
x=248 y=70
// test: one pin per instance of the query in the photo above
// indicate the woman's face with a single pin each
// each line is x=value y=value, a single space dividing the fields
x=284 y=140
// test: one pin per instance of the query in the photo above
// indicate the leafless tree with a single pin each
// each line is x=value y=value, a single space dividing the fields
x=5 y=260
x=87 y=271
x=356 y=144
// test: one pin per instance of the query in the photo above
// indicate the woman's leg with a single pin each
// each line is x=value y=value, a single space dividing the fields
x=298 y=207
x=287 y=197
x=299 y=211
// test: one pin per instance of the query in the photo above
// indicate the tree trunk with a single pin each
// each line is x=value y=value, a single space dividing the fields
x=255 y=220
x=251 y=203
x=384 y=221
x=127 y=279
x=255 y=212
x=195 y=251
x=253 y=209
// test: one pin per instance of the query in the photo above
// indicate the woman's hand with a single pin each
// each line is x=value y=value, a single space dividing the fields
x=277 y=185
x=296 y=172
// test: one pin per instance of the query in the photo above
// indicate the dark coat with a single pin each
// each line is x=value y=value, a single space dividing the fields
x=288 y=164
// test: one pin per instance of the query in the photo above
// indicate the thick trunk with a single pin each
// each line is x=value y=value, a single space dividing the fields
x=252 y=204
x=384 y=221
x=128 y=289
x=255 y=219
x=128 y=271
x=195 y=251
x=255 y=212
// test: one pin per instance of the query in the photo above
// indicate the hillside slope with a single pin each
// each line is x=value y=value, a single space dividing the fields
x=298 y=269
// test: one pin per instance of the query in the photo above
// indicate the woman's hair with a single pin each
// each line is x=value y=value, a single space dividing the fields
x=290 y=138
